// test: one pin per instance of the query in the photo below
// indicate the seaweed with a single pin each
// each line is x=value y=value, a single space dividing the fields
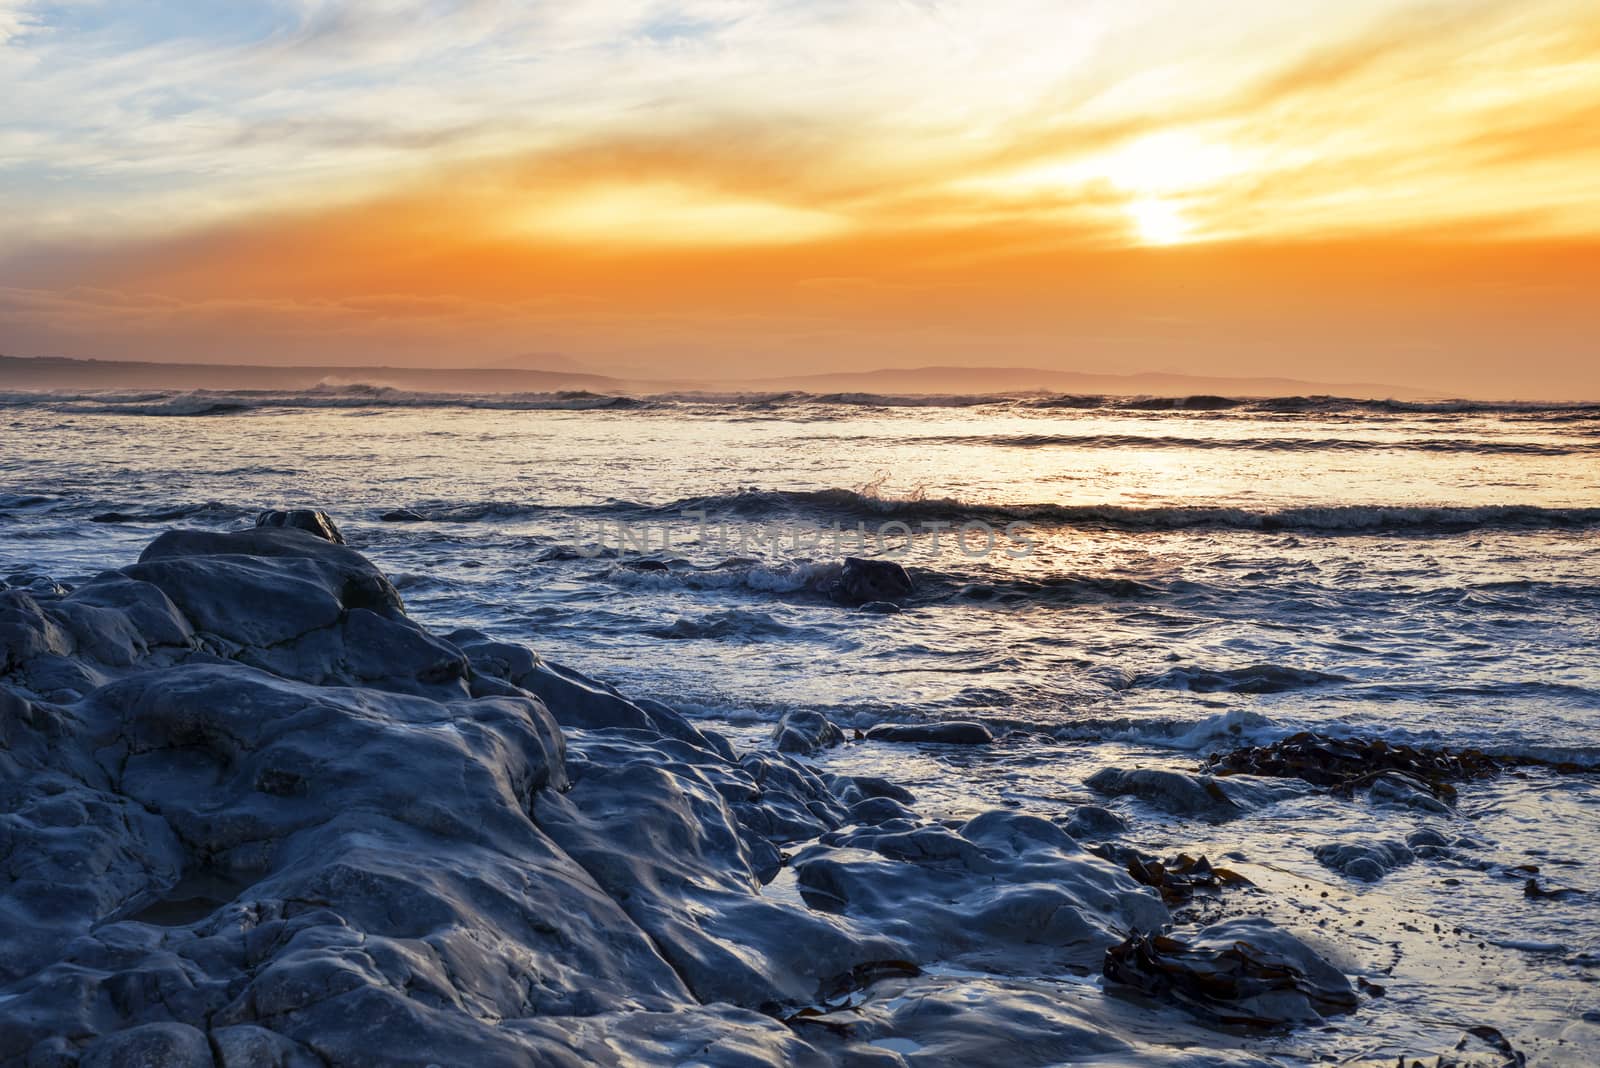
x=1239 y=984
x=1178 y=879
x=1345 y=765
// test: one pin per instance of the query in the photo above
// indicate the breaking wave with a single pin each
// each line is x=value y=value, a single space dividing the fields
x=240 y=402
x=366 y=395
x=1270 y=444
x=827 y=505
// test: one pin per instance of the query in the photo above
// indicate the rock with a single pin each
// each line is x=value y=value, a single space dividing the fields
x=933 y=1021
x=41 y=586
x=1397 y=789
x=789 y=803
x=694 y=897
x=252 y=814
x=862 y=582
x=1094 y=821
x=249 y=1046
x=1364 y=861
x=403 y=515
x=946 y=732
x=312 y=522
x=1240 y=972
x=804 y=732
x=501 y=660
x=1005 y=887
x=853 y=788
x=1170 y=791
x=882 y=608
x=1432 y=844
x=1347 y=764
x=1184 y=794
x=580 y=701
x=211 y=854
x=53 y=1052
x=1426 y=838
x=344 y=574
x=155 y=1045
x=879 y=810
x=317 y=612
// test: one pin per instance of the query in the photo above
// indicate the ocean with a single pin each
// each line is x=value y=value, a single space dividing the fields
x=1104 y=582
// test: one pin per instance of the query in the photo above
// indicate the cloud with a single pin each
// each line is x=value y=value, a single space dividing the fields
x=694 y=180
x=825 y=116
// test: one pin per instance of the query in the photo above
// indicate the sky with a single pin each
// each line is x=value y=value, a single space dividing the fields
x=1368 y=190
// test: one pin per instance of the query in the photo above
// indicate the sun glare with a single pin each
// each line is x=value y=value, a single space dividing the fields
x=1172 y=161
x=1158 y=222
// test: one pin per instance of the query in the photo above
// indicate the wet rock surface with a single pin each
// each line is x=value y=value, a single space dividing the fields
x=1094 y=821
x=1002 y=887
x=1242 y=972
x=1184 y=794
x=943 y=732
x=864 y=582
x=1364 y=861
x=254 y=814
x=312 y=522
x=805 y=732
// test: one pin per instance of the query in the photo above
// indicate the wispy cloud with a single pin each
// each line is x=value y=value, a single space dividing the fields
x=141 y=118
x=718 y=176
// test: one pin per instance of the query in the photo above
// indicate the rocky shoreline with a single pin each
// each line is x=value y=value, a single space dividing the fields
x=255 y=815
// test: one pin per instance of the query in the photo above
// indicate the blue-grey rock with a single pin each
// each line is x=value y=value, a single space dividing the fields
x=253 y=814
x=315 y=523
x=1364 y=861
x=865 y=581
x=853 y=788
x=805 y=731
x=1185 y=794
x=153 y=1045
x=879 y=810
x=1094 y=821
x=943 y=732
x=1004 y=887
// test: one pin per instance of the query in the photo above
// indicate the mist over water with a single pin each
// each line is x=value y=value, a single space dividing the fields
x=1200 y=574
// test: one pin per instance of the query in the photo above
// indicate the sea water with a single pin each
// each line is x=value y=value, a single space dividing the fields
x=1104 y=582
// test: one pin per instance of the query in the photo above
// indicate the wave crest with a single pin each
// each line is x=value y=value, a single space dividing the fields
x=834 y=504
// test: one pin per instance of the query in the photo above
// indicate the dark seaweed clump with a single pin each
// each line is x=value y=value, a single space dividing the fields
x=1177 y=879
x=1349 y=764
x=1235 y=981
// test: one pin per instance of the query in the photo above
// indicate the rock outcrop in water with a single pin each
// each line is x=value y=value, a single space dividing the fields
x=255 y=815
x=1243 y=972
x=863 y=582
x=945 y=732
x=805 y=731
x=312 y=522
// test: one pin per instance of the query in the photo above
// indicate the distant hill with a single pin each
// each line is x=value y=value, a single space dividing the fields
x=60 y=373
x=536 y=361
x=57 y=373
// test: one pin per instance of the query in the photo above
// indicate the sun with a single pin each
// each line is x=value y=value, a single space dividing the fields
x=1158 y=222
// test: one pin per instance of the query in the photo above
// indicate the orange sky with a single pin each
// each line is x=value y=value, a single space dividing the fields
x=1371 y=191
